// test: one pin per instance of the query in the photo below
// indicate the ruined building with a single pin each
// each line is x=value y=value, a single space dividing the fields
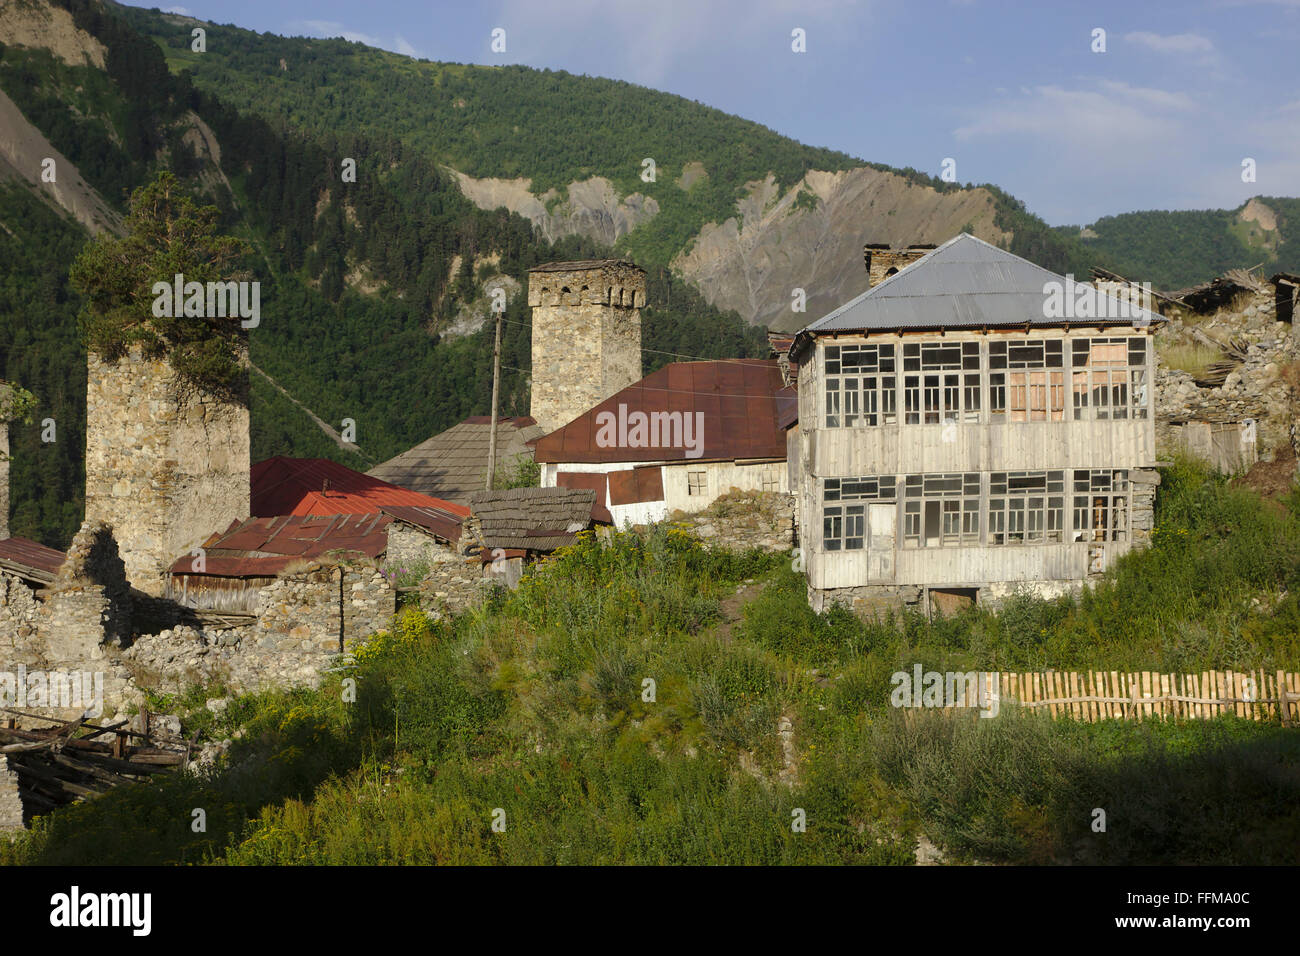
x=165 y=465
x=586 y=335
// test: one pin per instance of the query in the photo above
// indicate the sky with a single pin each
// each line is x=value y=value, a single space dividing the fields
x=1160 y=110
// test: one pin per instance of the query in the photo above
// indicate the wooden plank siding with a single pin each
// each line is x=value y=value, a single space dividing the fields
x=984 y=447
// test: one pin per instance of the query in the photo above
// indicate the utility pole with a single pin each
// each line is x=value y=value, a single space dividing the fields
x=496 y=384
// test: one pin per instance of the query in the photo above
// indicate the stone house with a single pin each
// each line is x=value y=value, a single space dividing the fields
x=515 y=526
x=958 y=438
x=674 y=441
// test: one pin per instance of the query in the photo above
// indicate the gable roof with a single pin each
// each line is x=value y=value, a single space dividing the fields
x=535 y=519
x=318 y=486
x=737 y=398
x=30 y=560
x=452 y=465
x=263 y=547
x=965 y=283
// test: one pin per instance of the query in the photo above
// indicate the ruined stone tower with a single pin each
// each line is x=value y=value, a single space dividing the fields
x=586 y=335
x=165 y=466
x=882 y=262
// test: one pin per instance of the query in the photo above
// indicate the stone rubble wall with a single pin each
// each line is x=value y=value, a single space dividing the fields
x=740 y=520
x=1258 y=389
x=409 y=546
x=82 y=622
x=11 y=804
x=293 y=641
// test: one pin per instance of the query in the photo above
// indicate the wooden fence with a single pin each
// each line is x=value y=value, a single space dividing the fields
x=1102 y=695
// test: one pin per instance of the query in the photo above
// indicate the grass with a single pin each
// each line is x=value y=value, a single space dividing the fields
x=1191 y=357
x=601 y=713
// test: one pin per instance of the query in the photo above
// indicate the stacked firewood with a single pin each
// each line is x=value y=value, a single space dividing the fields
x=79 y=759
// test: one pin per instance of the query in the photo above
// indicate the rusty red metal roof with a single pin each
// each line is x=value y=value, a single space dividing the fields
x=737 y=399
x=318 y=486
x=29 y=559
x=787 y=407
x=594 y=481
x=263 y=547
x=441 y=522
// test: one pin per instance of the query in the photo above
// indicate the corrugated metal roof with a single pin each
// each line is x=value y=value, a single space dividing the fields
x=965 y=283
x=317 y=486
x=452 y=465
x=263 y=547
x=737 y=399
x=30 y=559
x=440 y=522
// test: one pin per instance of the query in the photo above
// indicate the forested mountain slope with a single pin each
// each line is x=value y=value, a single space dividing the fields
x=360 y=280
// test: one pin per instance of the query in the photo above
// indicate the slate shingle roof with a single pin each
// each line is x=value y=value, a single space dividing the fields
x=452 y=464
x=533 y=519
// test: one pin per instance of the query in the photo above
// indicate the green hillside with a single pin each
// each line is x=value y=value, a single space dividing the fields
x=357 y=278
x=520 y=732
x=548 y=126
x=1173 y=250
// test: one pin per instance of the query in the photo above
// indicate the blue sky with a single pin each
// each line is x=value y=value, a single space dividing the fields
x=1013 y=91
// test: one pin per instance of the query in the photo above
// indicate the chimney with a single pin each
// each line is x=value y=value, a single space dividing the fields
x=883 y=262
x=586 y=335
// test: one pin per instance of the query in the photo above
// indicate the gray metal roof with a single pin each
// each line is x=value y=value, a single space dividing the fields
x=965 y=283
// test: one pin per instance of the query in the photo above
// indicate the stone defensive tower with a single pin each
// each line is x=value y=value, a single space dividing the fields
x=882 y=262
x=586 y=335
x=166 y=465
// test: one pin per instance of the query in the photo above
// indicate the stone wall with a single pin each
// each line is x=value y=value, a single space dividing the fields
x=166 y=466
x=11 y=804
x=870 y=600
x=741 y=520
x=4 y=478
x=409 y=546
x=1262 y=388
x=84 y=622
x=294 y=639
x=586 y=340
x=76 y=624
x=453 y=586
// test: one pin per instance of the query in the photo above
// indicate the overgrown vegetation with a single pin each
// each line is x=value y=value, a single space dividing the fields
x=1190 y=357
x=167 y=235
x=368 y=350
x=611 y=710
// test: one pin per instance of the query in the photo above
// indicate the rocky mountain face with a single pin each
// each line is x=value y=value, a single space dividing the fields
x=811 y=236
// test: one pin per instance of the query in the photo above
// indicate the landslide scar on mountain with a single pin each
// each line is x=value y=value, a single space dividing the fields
x=592 y=209
x=811 y=237
x=23 y=148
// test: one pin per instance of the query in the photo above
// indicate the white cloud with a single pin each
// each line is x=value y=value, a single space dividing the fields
x=1113 y=115
x=182 y=11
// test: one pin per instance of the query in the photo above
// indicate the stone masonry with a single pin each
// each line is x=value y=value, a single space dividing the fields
x=586 y=335
x=163 y=467
x=294 y=639
x=4 y=478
